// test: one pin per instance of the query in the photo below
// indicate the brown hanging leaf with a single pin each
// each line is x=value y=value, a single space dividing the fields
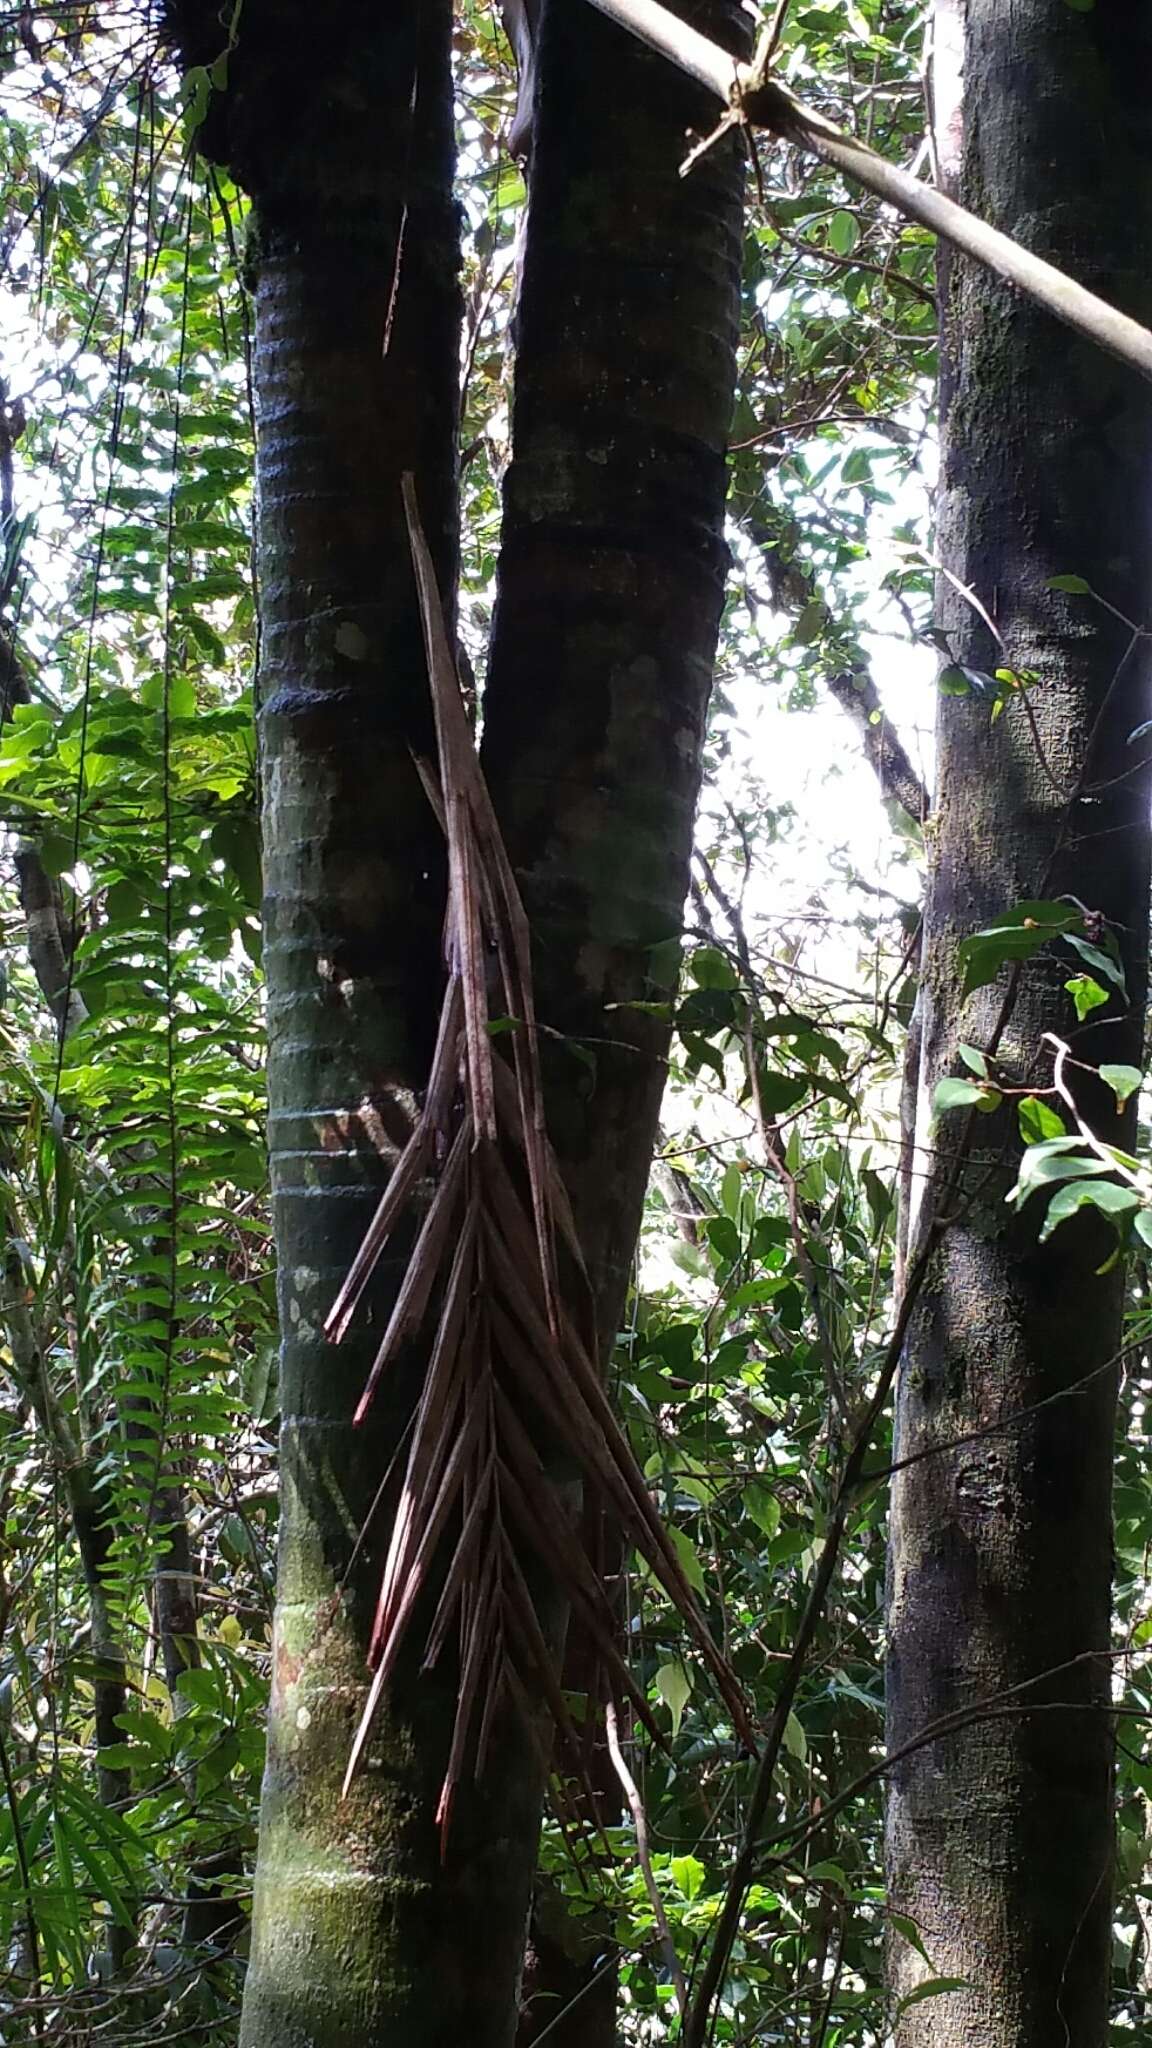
x=507 y=1370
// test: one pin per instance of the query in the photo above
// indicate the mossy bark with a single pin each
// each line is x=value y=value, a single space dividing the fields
x=611 y=586
x=999 y=1837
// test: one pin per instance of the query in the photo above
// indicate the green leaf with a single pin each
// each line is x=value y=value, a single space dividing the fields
x=1038 y=1121
x=690 y=1259
x=879 y=1195
x=1123 y=1081
x=1105 y=964
x=932 y=1987
x=128 y=746
x=148 y=1730
x=1074 y=585
x=689 y=1560
x=235 y=840
x=712 y=969
x=1086 y=994
x=1055 y=1159
x=732 y=1191
x=763 y=1506
x=702 y=1054
x=674 y=1687
x=705 y=1010
x=723 y=1237
x=98 y=1868
x=119 y=1756
x=181 y=697
x=911 y=1933
x=200 y=1687
x=810 y=623
x=195 y=91
x=1021 y=934
x=1113 y=1201
x=780 y=1092
x=689 y=1875
x=843 y=233
x=795 y=1740
x=956 y=1093
x=219 y=583
x=218 y=1763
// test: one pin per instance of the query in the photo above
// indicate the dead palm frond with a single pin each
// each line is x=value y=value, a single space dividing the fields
x=511 y=1395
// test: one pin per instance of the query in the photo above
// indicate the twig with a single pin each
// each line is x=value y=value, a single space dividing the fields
x=1006 y=1704
x=771 y=41
x=20 y=1846
x=856 y=693
x=744 y=1867
x=1135 y=1179
x=644 y=1857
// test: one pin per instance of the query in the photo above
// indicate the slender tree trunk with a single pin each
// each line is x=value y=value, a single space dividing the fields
x=611 y=585
x=1000 y=1836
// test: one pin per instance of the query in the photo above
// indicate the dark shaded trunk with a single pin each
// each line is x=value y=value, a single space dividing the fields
x=611 y=585
x=612 y=574
x=1000 y=1836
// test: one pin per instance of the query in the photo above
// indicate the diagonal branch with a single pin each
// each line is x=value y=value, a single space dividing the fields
x=752 y=98
x=884 y=750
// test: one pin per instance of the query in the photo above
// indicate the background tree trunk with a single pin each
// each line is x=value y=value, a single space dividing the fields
x=1000 y=1837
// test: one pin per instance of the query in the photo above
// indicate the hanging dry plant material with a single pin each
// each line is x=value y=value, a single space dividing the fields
x=511 y=1377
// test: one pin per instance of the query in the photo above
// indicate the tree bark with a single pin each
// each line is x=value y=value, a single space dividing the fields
x=342 y=134
x=611 y=584
x=999 y=1837
x=611 y=581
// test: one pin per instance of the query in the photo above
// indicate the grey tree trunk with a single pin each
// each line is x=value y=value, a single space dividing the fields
x=999 y=1837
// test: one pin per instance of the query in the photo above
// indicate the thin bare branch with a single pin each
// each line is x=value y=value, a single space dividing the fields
x=644 y=1858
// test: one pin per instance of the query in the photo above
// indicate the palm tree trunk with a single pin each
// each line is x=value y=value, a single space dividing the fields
x=611 y=583
x=341 y=131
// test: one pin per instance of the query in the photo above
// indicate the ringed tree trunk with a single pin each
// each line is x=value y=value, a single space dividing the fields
x=341 y=132
x=611 y=585
x=999 y=1837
